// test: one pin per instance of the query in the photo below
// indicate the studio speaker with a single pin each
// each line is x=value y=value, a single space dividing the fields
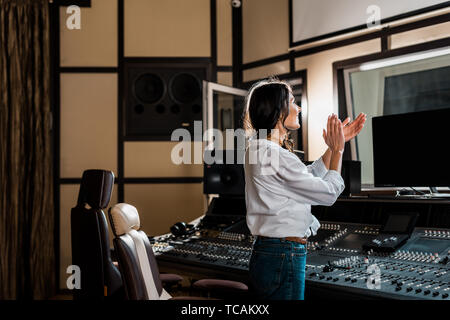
x=351 y=173
x=161 y=97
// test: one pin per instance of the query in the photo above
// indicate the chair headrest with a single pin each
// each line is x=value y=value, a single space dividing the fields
x=96 y=188
x=124 y=217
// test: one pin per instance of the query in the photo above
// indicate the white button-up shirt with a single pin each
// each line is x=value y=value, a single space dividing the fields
x=280 y=189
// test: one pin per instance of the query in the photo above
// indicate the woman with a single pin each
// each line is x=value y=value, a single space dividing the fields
x=280 y=189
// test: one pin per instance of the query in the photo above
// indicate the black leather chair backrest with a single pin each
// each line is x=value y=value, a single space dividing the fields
x=124 y=220
x=100 y=278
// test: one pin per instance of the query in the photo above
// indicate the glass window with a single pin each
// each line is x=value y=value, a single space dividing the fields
x=398 y=85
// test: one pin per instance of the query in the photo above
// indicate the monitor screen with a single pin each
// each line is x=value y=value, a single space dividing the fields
x=410 y=149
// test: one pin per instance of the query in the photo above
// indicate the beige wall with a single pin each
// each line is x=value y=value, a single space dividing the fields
x=265 y=29
x=153 y=159
x=266 y=71
x=421 y=35
x=162 y=205
x=224 y=33
x=88 y=123
x=95 y=44
x=167 y=28
x=225 y=78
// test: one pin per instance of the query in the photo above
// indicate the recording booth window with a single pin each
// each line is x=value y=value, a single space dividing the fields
x=403 y=84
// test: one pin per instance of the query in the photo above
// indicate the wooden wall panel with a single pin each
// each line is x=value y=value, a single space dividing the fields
x=421 y=35
x=168 y=28
x=224 y=33
x=153 y=159
x=265 y=25
x=88 y=123
x=266 y=71
x=95 y=44
x=162 y=205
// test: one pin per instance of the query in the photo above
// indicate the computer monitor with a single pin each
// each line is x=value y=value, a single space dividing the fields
x=412 y=149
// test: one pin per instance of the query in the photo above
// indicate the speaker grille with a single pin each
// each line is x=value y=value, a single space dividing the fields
x=161 y=97
x=185 y=88
x=149 y=88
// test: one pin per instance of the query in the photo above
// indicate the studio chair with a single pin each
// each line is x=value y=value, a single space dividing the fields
x=222 y=289
x=100 y=278
x=135 y=255
x=138 y=264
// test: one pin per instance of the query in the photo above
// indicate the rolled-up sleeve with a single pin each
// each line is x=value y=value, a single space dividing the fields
x=317 y=168
x=296 y=182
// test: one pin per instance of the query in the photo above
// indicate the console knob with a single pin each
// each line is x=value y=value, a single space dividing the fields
x=426 y=292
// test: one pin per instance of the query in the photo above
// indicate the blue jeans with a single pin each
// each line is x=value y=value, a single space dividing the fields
x=277 y=269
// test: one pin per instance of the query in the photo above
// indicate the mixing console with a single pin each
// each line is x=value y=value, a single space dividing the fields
x=419 y=269
x=223 y=251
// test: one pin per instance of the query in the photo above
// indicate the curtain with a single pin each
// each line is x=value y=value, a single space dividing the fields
x=27 y=248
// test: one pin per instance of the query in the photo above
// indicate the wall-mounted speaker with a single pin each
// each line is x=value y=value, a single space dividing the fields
x=161 y=96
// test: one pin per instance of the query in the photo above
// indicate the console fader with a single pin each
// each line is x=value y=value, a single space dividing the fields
x=419 y=269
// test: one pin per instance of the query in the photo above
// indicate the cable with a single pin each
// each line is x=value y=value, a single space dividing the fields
x=418 y=191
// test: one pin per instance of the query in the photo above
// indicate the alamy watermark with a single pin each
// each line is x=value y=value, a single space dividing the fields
x=267 y=158
x=74 y=20
x=74 y=280
x=374 y=277
x=374 y=19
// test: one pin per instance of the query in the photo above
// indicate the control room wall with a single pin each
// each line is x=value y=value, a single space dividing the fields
x=89 y=104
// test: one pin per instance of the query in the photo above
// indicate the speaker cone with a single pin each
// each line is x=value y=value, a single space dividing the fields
x=185 y=88
x=149 y=88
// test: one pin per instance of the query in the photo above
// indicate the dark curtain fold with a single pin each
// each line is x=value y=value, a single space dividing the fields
x=27 y=254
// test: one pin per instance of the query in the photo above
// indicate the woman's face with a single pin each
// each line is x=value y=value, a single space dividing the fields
x=291 y=121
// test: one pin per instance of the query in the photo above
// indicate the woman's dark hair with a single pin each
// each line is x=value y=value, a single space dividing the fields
x=266 y=103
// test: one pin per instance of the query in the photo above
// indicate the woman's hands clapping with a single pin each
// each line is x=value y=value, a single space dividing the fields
x=334 y=135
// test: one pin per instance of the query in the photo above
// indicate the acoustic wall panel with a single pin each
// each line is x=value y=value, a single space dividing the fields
x=265 y=29
x=162 y=205
x=95 y=43
x=265 y=71
x=154 y=159
x=421 y=35
x=224 y=33
x=225 y=78
x=88 y=123
x=167 y=28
